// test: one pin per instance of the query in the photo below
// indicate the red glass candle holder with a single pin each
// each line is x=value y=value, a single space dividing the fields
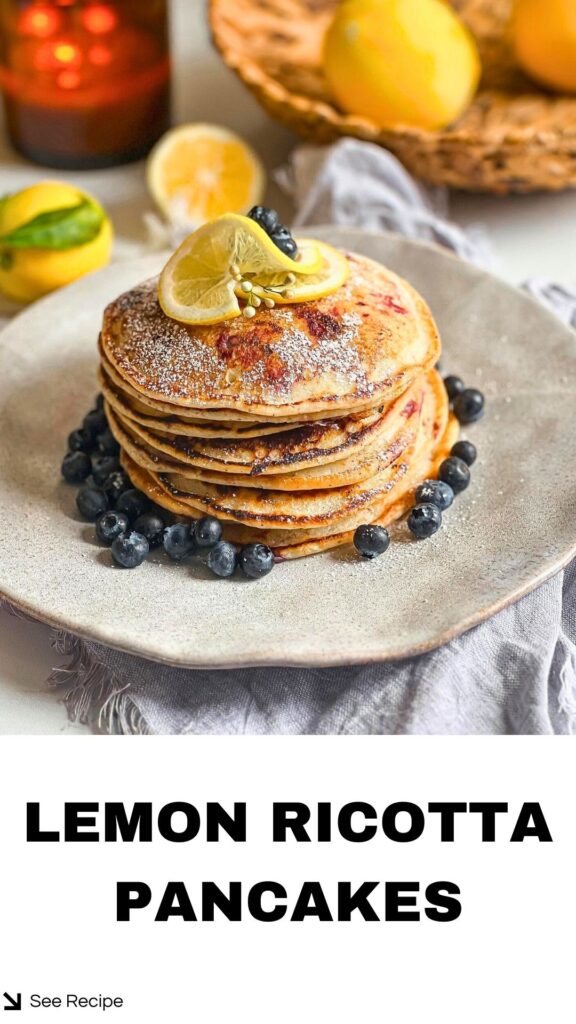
x=86 y=82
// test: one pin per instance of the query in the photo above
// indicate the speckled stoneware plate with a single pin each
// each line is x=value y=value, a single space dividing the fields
x=513 y=528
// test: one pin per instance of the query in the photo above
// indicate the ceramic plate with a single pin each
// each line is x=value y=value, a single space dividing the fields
x=514 y=527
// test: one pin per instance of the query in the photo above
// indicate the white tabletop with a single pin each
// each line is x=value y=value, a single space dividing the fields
x=532 y=236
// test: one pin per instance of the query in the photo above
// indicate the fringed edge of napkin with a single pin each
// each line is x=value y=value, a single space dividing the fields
x=91 y=693
x=95 y=696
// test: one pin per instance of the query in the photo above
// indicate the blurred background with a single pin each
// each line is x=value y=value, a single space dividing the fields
x=531 y=234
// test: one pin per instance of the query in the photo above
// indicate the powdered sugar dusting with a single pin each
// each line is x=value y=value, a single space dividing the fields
x=337 y=349
x=303 y=358
x=159 y=353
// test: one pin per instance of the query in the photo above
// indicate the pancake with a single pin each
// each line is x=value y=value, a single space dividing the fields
x=160 y=410
x=302 y=447
x=357 y=467
x=172 y=426
x=289 y=544
x=401 y=503
x=357 y=348
x=150 y=484
x=267 y=508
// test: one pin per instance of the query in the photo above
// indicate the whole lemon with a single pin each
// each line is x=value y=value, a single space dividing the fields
x=544 y=38
x=401 y=62
x=50 y=234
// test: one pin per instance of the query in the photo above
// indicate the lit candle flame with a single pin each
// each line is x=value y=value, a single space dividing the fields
x=100 y=56
x=68 y=79
x=99 y=19
x=39 y=21
x=67 y=53
x=58 y=55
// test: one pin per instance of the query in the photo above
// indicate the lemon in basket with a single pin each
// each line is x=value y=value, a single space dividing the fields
x=544 y=38
x=406 y=63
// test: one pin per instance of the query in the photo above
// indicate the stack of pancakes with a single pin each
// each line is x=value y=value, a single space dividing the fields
x=293 y=427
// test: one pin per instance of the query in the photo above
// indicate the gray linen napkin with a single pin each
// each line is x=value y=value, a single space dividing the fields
x=515 y=673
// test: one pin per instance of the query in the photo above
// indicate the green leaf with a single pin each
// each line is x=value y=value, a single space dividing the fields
x=58 y=229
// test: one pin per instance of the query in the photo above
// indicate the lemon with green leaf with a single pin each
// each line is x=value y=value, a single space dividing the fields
x=50 y=234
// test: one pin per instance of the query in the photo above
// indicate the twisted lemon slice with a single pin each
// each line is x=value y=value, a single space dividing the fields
x=330 y=275
x=230 y=266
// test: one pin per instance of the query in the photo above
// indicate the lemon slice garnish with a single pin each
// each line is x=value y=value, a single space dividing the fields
x=331 y=275
x=198 y=284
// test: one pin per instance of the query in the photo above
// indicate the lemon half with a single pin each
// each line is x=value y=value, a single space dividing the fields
x=200 y=171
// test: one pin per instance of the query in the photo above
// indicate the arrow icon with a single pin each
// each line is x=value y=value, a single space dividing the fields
x=11 y=1003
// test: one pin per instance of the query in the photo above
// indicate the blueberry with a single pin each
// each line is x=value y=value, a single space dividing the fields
x=130 y=549
x=256 y=560
x=91 y=502
x=466 y=451
x=76 y=467
x=207 y=532
x=469 y=405
x=222 y=559
x=284 y=241
x=102 y=467
x=424 y=520
x=435 y=492
x=133 y=503
x=116 y=483
x=371 y=540
x=453 y=385
x=178 y=541
x=265 y=217
x=80 y=440
x=455 y=473
x=99 y=401
x=95 y=422
x=151 y=525
x=111 y=525
x=107 y=443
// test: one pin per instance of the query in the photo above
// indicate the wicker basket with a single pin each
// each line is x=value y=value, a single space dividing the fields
x=514 y=138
